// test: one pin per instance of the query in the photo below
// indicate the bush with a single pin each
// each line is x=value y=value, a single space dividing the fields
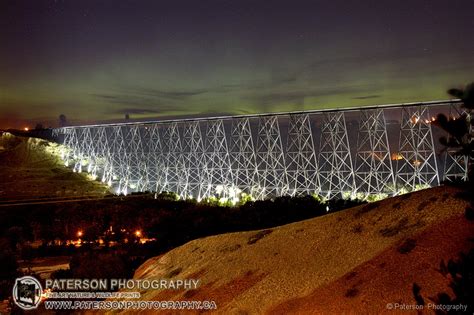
x=461 y=273
x=8 y=270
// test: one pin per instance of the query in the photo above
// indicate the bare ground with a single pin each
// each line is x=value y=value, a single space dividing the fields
x=353 y=261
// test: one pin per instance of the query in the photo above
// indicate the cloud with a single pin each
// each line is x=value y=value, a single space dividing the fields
x=141 y=100
x=176 y=94
x=136 y=111
x=297 y=97
x=106 y=96
x=276 y=80
x=365 y=97
x=137 y=104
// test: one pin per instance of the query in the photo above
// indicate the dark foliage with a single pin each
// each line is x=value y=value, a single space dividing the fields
x=352 y=292
x=466 y=95
x=458 y=128
x=171 y=222
x=8 y=270
x=396 y=228
x=470 y=213
x=407 y=246
x=358 y=228
x=258 y=236
x=461 y=273
x=103 y=265
x=416 y=293
x=367 y=208
x=423 y=205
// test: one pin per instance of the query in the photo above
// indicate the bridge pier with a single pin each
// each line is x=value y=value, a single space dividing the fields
x=270 y=159
x=336 y=173
x=243 y=157
x=302 y=168
x=418 y=167
x=194 y=154
x=374 y=171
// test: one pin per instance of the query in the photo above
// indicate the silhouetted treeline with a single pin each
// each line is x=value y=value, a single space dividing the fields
x=42 y=133
x=171 y=222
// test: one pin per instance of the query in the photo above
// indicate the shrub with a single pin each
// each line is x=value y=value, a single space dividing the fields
x=461 y=273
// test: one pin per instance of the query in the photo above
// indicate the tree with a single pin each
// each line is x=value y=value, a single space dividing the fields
x=460 y=137
x=62 y=120
x=459 y=129
x=9 y=270
x=466 y=95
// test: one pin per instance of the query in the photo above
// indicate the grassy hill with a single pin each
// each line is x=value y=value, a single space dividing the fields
x=31 y=168
x=353 y=261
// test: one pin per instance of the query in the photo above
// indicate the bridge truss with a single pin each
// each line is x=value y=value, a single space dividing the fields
x=331 y=153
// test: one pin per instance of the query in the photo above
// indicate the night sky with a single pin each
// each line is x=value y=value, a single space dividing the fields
x=98 y=60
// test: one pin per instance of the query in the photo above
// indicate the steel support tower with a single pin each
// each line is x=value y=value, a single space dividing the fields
x=418 y=166
x=336 y=173
x=374 y=171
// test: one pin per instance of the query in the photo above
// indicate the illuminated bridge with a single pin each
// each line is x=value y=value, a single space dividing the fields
x=364 y=152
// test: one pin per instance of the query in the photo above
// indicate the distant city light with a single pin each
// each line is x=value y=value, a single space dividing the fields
x=138 y=233
x=26 y=128
x=397 y=156
x=79 y=233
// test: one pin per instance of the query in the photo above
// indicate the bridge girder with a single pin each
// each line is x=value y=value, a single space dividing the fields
x=224 y=157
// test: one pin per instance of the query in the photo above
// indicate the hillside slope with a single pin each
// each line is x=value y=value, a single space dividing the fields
x=356 y=260
x=31 y=168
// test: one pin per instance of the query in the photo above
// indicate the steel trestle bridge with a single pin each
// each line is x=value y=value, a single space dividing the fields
x=331 y=153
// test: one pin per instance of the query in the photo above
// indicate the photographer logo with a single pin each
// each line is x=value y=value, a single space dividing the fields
x=27 y=292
